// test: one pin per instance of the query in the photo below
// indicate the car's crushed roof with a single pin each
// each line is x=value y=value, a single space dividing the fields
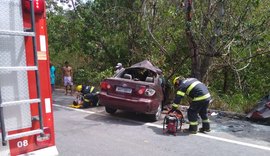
x=147 y=65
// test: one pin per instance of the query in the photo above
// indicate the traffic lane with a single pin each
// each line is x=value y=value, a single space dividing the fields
x=221 y=126
x=82 y=133
x=225 y=128
x=251 y=135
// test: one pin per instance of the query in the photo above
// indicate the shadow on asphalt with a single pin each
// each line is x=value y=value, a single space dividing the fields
x=133 y=116
x=111 y=120
x=159 y=131
x=127 y=118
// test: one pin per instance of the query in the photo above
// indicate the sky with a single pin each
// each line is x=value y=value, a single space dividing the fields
x=66 y=6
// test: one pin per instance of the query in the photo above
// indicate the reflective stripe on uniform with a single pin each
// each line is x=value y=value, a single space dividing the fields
x=92 y=88
x=86 y=100
x=174 y=105
x=201 y=97
x=180 y=93
x=206 y=121
x=193 y=123
x=192 y=86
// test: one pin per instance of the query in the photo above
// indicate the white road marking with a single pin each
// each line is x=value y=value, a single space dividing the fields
x=234 y=142
x=160 y=126
x=75 y=109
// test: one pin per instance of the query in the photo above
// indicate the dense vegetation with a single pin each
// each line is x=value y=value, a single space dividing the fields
x=223 y=43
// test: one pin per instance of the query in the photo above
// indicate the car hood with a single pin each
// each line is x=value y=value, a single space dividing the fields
x=147 y=65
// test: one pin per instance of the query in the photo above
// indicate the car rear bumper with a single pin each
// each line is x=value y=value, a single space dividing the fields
x=141 y=105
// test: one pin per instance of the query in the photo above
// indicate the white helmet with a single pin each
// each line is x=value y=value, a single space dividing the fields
x=119 y=65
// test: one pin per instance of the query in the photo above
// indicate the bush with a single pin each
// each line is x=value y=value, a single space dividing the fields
x=240 y=102
x=92 y=77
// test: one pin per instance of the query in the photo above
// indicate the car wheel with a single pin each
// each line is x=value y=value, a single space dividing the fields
x=156 y=116
x=110 y=110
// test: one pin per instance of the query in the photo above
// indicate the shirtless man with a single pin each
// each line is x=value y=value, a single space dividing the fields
x=67 y=77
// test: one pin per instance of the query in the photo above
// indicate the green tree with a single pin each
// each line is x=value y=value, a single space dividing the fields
x=223 y=43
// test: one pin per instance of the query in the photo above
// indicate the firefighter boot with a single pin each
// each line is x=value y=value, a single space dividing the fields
x=205 y=127
x=192 y=129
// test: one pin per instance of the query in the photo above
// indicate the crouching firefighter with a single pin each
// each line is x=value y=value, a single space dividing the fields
x=89 y=95
x=200 y=96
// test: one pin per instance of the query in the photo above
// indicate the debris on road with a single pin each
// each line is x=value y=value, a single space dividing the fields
x=214 y=114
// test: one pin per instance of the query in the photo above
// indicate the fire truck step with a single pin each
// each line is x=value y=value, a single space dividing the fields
x=16 y=33
x=12 y=103
x=18 y=68
x=23 y=134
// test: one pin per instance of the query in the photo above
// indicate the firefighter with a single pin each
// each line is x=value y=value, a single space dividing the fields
x=200 y=97
x=89 y=95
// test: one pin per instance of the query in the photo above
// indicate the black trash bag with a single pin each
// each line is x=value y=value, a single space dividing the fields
x=262 y=111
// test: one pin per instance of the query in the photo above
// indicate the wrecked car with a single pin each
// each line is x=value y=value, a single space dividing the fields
x=262 y=110
x=138 y=88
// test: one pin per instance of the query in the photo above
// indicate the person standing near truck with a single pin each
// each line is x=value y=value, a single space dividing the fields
x=67 y=77
x=52 y=76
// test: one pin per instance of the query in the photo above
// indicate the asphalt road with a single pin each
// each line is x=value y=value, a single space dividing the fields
x=91 y=132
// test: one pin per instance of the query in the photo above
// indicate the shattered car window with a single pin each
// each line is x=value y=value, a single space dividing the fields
x=138 y=74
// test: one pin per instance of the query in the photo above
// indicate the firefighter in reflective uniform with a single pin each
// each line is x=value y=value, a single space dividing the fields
x=200 y=96
x=89 y=94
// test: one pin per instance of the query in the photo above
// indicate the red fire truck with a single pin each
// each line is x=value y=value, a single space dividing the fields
x=26 y=116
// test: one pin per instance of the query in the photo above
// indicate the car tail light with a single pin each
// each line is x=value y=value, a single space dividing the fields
x=143 y=90
x=105 y=86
